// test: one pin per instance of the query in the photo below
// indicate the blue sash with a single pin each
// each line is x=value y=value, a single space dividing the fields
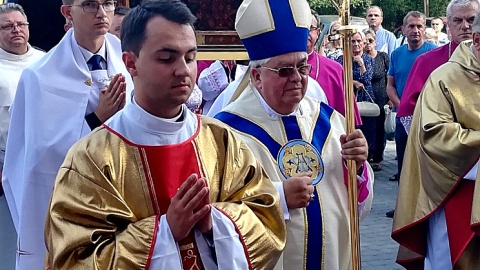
x=320 y=134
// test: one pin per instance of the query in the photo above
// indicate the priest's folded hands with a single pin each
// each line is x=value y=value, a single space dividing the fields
x=189 y=208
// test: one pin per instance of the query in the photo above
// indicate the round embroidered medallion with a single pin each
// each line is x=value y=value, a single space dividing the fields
x=299 y=156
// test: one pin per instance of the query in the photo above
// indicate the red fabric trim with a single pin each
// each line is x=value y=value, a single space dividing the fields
x=149 y=186
x=154 y=240
x=414 y=235
x=458 y=212
x=189 y=140
x=245 y=249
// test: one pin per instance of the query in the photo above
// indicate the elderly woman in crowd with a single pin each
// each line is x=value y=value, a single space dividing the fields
x=362 y=82
x=379 y=86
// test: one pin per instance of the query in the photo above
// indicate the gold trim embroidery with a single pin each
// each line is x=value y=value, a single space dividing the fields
x=150 y=180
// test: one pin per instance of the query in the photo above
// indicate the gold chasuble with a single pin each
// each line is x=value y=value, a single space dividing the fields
x=110 y=193
x=443 y=145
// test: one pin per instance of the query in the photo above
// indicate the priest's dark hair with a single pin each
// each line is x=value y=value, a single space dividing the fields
x=134 y=24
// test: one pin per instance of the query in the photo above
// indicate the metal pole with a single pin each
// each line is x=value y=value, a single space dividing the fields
x=347 y=31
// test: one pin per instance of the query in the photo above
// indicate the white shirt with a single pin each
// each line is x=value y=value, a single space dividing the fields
x=87 y=55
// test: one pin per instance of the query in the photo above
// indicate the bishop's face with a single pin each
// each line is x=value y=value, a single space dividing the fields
x=165 y=70
x=282 y=93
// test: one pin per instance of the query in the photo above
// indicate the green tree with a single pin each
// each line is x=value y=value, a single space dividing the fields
x=326 y=7
x=393 y=10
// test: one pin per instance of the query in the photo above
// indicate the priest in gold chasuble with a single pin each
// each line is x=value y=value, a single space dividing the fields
x=157 y=187
x=437 y=215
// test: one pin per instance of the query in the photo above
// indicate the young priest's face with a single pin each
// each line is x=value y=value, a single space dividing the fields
x=165 y=69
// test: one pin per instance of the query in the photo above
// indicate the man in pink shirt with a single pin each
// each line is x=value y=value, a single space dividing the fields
x=460 y=16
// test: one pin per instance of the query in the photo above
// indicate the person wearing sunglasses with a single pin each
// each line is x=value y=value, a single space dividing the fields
x=362 y=83
x=328 y=73
x=15 y=55
x=437 y=25
x=379 y=86
x=158 y=187
x=300 y=141
x=73 y=89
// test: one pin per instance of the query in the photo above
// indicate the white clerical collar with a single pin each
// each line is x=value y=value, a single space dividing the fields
x=153 y=124
x=88 y=54
x=271 y=112
x=4 y=55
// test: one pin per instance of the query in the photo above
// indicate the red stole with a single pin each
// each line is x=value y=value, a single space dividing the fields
x=166 y=168
x=458 y=211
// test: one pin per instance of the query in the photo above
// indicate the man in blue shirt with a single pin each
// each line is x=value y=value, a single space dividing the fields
x=385 y=39
x=401 y=63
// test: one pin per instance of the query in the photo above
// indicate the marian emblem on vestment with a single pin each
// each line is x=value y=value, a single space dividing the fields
x=298 y=156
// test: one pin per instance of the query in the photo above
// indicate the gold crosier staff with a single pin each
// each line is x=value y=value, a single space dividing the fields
x=347 y=32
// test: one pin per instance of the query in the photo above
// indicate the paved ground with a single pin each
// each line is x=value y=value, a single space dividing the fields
x=378 y=248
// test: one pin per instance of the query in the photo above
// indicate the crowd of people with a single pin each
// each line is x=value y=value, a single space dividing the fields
x=119 y=150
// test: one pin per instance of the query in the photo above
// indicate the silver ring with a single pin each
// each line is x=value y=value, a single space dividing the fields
x=312 y=196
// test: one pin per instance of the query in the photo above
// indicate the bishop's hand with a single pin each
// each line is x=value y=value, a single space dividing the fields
x=354 y=147
x=188 y=207
x=298 y=190
x=111 y=98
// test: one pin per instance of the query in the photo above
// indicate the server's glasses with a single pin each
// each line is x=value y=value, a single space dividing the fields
x=92 y=6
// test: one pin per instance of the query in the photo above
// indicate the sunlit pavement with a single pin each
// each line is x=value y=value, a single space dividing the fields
x=378 y=249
